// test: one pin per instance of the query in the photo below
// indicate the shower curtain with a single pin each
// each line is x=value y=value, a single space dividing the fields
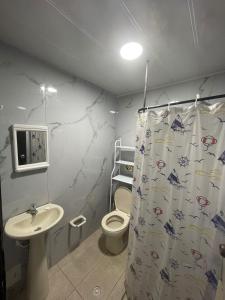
x=178 y=216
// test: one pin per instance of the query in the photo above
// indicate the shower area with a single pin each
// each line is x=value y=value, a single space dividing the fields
x=177 y=226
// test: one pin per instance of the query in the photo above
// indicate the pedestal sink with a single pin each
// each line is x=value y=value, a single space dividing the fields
x=33 y=227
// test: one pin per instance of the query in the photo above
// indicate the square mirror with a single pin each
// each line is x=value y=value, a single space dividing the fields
x=30 y=147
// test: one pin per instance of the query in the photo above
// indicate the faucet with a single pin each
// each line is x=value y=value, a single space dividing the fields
x=32 y=210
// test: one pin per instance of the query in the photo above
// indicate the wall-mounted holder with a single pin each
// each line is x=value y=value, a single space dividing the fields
x=78 y=221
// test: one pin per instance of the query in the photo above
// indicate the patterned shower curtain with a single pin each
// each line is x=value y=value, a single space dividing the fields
x=178 y=216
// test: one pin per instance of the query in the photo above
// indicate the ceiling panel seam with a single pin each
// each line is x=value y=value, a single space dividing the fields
x=131 y=17
x=139 y=28
x=68 y=19
x=193 y=22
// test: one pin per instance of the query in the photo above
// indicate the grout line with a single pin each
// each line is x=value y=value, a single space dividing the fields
x=92 y=268
x=75 y=288
x=60 y=271
x=110 y=293
x=70 y=294
x=66 y=277
x=94 y=265
x=77 y=293
x=86 y=275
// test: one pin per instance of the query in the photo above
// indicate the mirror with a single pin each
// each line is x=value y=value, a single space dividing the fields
x=30 y=147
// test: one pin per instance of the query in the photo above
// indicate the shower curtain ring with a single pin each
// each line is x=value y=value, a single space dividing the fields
x=169 y=103
x=196 y=99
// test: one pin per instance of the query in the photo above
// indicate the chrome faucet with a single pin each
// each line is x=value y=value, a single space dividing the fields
x=32 y=210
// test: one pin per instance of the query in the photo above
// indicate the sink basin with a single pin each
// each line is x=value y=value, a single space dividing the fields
x=25 y=225
x=33 y=227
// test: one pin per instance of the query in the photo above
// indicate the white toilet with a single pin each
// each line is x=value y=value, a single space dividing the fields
x=115 y=223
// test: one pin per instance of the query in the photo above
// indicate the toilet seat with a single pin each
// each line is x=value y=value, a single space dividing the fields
x=123 y=199
x=120 y=219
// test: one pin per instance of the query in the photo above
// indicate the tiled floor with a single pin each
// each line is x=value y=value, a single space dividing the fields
x=89 y=272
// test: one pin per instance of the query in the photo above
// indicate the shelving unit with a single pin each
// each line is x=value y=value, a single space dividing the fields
x=116 y=175
x=125 y=163
x=124 y=179
x=125 y=148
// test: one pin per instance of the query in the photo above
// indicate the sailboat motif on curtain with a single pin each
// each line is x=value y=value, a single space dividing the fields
x=178 y=217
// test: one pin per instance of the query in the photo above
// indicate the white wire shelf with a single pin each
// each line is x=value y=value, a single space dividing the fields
x=124 y=162
x=124 y=179
x=126 y=148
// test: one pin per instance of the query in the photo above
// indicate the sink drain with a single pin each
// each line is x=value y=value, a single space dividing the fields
x=37 y=229
x=97 y=291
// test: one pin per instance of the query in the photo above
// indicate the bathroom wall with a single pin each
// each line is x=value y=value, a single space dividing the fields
x=81 y=135
x=129 y=105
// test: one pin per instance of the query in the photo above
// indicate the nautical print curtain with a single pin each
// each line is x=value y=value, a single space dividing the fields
x=178 y=216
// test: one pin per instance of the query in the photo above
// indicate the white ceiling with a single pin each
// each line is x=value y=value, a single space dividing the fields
x=183 y=39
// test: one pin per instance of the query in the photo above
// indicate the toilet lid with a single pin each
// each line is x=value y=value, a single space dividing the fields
x=123 y=199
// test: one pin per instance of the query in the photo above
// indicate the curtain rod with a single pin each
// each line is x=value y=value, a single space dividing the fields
x=146 y=83
x=143 y=109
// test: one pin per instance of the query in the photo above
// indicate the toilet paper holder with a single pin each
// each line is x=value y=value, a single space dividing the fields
x=78 y=221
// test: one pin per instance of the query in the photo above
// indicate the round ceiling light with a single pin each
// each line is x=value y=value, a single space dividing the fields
x=131 y=51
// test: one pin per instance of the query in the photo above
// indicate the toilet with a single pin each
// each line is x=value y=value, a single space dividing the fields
x=115 y=224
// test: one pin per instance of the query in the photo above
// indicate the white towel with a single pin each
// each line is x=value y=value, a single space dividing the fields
x=220 y=291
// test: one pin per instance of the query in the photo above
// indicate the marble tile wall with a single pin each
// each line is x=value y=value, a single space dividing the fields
x=129 y=105
x=81 y=131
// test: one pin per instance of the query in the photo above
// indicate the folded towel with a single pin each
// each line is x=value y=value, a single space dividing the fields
x=220 y=291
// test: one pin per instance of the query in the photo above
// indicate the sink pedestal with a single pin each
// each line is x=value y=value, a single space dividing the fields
x=37 y=273
x=34 y=227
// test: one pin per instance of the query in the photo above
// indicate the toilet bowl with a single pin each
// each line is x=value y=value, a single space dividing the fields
x=115 y=224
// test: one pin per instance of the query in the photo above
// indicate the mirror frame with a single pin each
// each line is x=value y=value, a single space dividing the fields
x=34 y=166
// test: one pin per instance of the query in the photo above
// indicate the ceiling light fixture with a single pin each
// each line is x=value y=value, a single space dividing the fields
x=131 y=51
x=51 y=89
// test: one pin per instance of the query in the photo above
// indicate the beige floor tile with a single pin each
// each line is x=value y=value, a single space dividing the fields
x=53 y=270
x=103 y=277
x=89 y=266
x=59 y=286
x=80 y=262
x=74 y=296
x=92 y=240
x=118 y=291
x=120 y=259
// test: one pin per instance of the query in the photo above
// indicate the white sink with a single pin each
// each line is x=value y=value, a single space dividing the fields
x=33 y=227
x=26 y=226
